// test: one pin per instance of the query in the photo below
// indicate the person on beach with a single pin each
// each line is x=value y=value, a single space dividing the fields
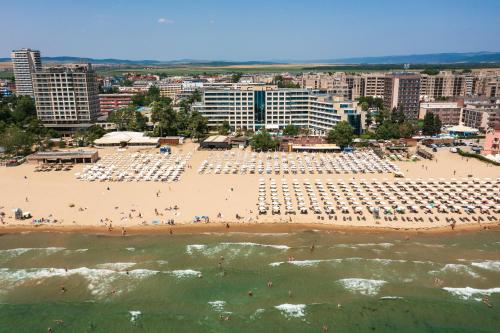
x=124 y=231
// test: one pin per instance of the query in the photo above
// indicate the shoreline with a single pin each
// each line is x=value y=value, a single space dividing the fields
x=251 y=228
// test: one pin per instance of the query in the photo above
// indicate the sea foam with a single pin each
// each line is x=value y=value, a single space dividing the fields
x=292 y=310
x=195 y=247
x=362 y=286
x=457 y=268
x=99 y=279
x=182 y=273
x=218 y=305
x=279 y=247
x=490 y=265
x=134 y=315
x=11 y=253
x=120 y=266
x=468 y=292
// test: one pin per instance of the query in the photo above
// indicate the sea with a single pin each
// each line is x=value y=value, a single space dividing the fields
x=310 y=281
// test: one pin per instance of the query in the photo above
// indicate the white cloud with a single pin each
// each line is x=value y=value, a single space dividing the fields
x=165 y=21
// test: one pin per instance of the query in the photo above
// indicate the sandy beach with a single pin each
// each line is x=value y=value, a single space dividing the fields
x=74 y=205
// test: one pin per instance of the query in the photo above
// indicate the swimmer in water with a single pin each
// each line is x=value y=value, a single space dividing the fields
x=269 y=284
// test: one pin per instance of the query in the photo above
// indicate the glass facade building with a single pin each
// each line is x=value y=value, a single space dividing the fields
x=275 y=109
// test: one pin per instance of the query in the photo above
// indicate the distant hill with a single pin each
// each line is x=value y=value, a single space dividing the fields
x=432 y=58
x=112 y=61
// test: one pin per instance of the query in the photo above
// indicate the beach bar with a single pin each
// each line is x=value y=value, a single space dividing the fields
x=70 y=156
x=216 y=142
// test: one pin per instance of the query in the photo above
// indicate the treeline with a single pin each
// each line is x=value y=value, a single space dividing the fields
x=20 y=129
x=166 y=120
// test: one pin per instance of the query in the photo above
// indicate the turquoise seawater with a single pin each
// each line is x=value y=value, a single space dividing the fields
x=321 y=281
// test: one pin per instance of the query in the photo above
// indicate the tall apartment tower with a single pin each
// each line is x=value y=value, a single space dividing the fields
x=402 y=90
x=25 y=63
x=67 y=97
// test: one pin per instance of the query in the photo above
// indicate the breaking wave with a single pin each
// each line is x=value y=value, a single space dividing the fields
x=468 y=292
x=182 y=273
x=292 y=310
x=362 y=286
x=99 y=279
x=490 y=265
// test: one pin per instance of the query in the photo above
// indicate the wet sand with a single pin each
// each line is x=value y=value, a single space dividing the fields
x=248 y=228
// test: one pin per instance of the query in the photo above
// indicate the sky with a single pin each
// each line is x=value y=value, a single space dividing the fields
x=248 y=30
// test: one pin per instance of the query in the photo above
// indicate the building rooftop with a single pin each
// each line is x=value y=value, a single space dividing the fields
x=216 y=138
x=125 y=137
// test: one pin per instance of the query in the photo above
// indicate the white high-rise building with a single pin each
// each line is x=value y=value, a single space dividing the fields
x=67 y=97
x=274 y=108
x=25 y=62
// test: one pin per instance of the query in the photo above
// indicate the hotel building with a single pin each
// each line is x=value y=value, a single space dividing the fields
x=66 y=97
x=112 y=102
x=25 y=62
x=402 y=90
x=448 y=112
x=256 y=107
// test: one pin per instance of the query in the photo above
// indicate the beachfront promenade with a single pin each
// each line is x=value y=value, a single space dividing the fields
x=246 y=188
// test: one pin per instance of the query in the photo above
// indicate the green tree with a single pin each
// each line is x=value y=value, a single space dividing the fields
x=16 y=141
x=388 y=130
x=368 y=119
x=364 y=106
x=165 y=119
x=342 y=134
x=138 y=100
x=235 y=78
x=24 y=108
x=198 y=125
x=406 y=130
x=430 y=71
x=428 y=126
x=398 y=116
x=381 y=116
x=153 y=95
x=224 y=128
x=291 y=130
x=127 y=119
x=437 y=125
x=372 y=102
x=127 y=83
x=95 y=132
x=263 y=141
x=282 y=83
